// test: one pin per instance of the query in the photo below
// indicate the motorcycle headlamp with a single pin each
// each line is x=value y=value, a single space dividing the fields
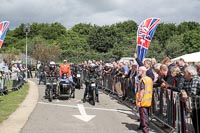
x=93 y=84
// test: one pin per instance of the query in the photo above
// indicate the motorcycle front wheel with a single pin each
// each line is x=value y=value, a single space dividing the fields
x=50 y=94
x=93 y=97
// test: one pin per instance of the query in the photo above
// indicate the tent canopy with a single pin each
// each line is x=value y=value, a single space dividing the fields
x=193 y=57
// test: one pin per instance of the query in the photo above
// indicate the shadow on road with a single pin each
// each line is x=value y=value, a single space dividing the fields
x=130 y=126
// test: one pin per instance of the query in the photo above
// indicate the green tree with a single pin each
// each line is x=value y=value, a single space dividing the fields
x=164 y=32
x=156 y=50
x=175 y=46
x=82 y=29
x=86 y=41
x=101 y=39
x=191 y=41
x=187 y=26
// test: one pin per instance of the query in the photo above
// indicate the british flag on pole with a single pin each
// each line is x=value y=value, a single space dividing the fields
x=145 y=33
x=3 y=29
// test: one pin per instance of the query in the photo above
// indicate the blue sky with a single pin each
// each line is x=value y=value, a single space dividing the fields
x=99 y=12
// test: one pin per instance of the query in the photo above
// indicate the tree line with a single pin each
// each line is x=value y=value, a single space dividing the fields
x=86 y=41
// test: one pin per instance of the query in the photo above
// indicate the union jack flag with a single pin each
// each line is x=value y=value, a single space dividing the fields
x=3 y=29
x=145 y=34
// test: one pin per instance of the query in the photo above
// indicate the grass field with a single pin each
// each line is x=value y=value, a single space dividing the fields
x=9 y=103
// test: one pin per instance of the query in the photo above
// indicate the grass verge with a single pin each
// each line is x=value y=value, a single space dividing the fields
x=9 y=103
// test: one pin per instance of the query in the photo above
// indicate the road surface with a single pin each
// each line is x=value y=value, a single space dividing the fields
x=74 y=116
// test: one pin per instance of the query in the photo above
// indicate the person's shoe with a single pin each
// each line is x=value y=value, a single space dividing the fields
x=84 y=100
x=98 y=100
x=139 y=128
x=124 y=98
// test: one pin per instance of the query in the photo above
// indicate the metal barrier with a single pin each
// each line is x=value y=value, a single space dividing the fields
x=7 y=83
x=17 y=84
x=168 y=108
x=171 y=110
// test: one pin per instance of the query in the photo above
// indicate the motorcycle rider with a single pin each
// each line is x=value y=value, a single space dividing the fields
x=53 y=71
x=77 y=75
x=65 y=68
x=92 y=74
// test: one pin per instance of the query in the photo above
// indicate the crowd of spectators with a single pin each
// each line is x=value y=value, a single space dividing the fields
x=177 y=78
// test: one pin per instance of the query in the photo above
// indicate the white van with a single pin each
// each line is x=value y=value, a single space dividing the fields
x=127 y=59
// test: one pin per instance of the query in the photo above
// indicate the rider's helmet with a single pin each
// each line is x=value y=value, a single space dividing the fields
x=92 y=67
x=64 y=75
x=52 y=65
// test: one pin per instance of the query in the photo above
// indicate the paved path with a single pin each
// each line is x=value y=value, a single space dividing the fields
x=18 y=119
x=63 y=116
x=37 y=115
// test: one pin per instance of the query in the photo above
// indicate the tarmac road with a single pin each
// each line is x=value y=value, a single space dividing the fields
x=74 y=116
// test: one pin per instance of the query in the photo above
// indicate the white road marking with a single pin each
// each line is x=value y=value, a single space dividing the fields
x=84 y=116
x=72 y=106
x=57 y=100
x=92 y=108
x=68 y=101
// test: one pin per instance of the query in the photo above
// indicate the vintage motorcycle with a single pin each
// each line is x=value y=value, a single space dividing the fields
x=92 y=90
x=77 y=77
x=66 y=87
x=51 y=88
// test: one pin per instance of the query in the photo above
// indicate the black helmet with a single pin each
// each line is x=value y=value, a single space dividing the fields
x=64 y=75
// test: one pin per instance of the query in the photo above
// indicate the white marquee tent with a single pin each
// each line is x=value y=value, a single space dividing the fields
x=193 y=57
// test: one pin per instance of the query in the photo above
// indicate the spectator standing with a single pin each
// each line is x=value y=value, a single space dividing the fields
x=37 y=69
x=167 y=61
x=113 y=76
x=153 y=62
x=147 y=64
x=124 y=82
x=14 y=75
x=192 y=87
x=29 y=67
x=132 y=78
x=182 y=65
x=177 y=86
x=144 y=99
